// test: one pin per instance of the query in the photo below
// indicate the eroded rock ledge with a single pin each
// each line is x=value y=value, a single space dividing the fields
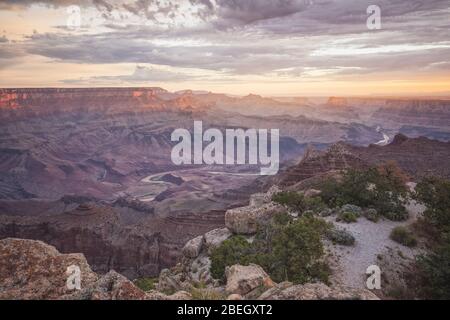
x=31 y=269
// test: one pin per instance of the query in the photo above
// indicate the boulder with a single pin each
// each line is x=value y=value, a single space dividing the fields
x=275 y=290
x=198 y=270
x=245 y=220
x=271 y=192
x=257 y=199
x=215 y=237
x=318 y=291
x=180 y=295
x=111 y=286
x=31 y=269
x=193 y=247
x=244 y=279
x=234 y=296
x=169 y=282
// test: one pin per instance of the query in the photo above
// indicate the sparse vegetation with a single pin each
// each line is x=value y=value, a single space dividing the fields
x=341 y=237
x=396 y=215
x=206 y=294
x=230 y=252
x=403 y=236
x=381 y=188
x=297 y=202
x=435 y=273
x=434 y=193
x=347 y=217
x=434 y=267
x=287 y=250
x=146 y=284
x=371 y=215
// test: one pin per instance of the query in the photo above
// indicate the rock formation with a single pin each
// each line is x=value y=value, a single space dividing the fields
x=26 y=264
x=244 y=279
x=244 y=282
x=416 y=156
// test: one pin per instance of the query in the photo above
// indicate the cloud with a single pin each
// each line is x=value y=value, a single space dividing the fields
x=21 y=4
x=241 y=12
x=141 y=74
x=291 y=38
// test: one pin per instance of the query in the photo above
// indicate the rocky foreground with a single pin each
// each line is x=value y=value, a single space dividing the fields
x=31 y=269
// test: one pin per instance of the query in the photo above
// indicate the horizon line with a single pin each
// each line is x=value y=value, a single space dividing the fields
x=442 y=95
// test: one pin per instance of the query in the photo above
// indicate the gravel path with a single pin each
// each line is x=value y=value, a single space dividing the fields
x=349 y=264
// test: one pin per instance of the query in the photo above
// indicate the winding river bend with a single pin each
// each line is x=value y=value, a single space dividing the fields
x=385 y=139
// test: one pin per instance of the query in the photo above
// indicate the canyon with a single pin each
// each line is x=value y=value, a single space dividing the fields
x=89 y=170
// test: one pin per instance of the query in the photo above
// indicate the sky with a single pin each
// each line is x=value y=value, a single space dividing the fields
x=267 y=47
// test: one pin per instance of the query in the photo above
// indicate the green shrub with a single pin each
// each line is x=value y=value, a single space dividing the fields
x=326 y=212
x=341 y=237
x=434 y=271
x=297 y=249
x=351 y=208
x=281 y=219
x=146 y=284
x=401 y=215
x=315 y=204
x=434 y=267
x=296 y=201
x=371 y=215
x=228 y=253
x=434 y=193
x=287 y=250
x=403 y=236
x=347 y=217
x=382 y=188
x=293 y=200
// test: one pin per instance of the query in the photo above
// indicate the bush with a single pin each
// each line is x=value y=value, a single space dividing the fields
x=297 y=202
x=434 y=270
x=396 y=215
x=206 y=294
x=326 y=212
x=297 y=249
x=382 y=188
x=293 y=200
x=347 y=217
x=228 y=253
x=146 y=284
x=341 y=237
x=352 y=208
x=403 y=236
x=434 y=267
x=287 y=250
x=315 y=204
x=434 y=193
x=371 y=215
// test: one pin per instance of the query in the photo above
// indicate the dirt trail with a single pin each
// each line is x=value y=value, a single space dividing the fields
x=371 y=239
